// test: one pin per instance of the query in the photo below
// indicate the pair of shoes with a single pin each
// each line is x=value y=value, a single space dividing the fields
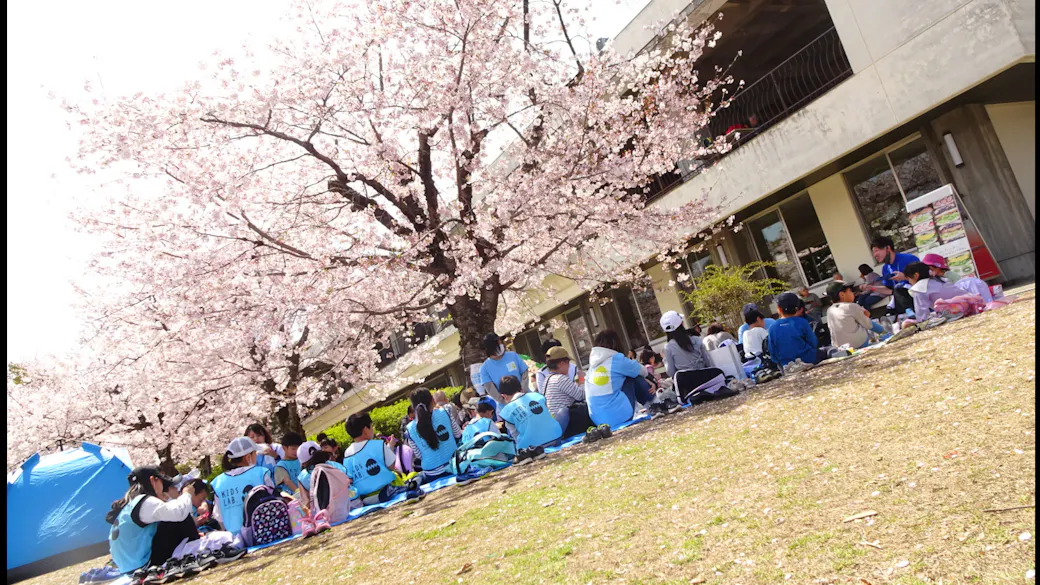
x=594 y=434
x=171 y=571
x=412 y=496
x=903 y=333
x=528 y=455
x=467 y=478
x=321 y=522
x=307 y=527
x=796 y=366
x=205 y=559
x=657 y=410
x=155 y=574
x=931 y=322
x=140 y=576
x=228 y=553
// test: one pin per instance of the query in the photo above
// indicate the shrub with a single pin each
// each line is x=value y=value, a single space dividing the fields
x=338 y=433
x=385 y=419
x=722 y=291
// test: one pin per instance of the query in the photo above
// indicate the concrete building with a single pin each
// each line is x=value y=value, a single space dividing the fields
x=850 y=109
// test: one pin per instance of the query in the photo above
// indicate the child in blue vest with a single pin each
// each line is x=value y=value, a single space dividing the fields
x=433 y=436
x=484 y=423
x=369 y=463
x=136 y=517
x=287 y=470
x=230 y=488
x=528 y=419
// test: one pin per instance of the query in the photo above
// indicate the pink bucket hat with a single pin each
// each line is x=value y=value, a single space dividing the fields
x=935 y=261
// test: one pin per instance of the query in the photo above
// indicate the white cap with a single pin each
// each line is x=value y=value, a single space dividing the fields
x=671 y=321
x=305 y=451
x=241 y=446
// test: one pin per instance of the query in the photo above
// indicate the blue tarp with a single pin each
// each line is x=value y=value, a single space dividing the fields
x=57 y=503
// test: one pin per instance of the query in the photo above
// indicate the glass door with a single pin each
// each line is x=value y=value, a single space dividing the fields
x=581 y=336
x=774 y=244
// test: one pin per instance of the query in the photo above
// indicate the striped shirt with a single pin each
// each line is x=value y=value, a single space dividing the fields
x=561 y=392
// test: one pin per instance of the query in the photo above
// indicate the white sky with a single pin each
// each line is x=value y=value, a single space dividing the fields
x=124 y=46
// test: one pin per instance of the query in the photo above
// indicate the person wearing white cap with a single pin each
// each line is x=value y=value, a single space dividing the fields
x=241 y=474
x=687 y=362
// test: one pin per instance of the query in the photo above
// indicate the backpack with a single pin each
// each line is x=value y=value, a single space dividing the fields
x=266 y=517
x=488 y=450
x=330 y=491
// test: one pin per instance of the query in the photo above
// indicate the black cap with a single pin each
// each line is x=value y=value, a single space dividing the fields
x=836 y=287
x=142 y=474
x=788 y=302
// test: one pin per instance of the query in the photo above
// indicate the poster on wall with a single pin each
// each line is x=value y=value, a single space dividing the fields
x=939 y=229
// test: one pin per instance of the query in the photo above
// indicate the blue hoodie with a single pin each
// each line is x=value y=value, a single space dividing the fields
x=607 y=372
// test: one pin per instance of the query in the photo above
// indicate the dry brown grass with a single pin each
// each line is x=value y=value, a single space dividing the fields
x=929 y=433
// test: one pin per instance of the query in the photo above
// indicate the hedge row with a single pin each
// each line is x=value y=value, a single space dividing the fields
x=385 y=419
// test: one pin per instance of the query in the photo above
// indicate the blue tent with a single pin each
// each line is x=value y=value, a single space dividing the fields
x=56 y=506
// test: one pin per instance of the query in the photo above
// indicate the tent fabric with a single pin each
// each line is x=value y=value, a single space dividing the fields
x=57 y=503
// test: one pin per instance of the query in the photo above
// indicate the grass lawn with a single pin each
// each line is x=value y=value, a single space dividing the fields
x=929 y=433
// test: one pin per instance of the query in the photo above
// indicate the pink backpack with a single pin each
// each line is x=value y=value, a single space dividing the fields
x=330 y=491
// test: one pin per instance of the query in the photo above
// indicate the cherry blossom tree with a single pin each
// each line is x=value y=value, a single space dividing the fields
x=383 y=161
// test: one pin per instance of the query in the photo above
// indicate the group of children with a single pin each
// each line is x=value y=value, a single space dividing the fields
x=167 y=525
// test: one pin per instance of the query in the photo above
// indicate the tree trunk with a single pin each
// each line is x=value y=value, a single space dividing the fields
x=166 y=464
x=205 y=467
x=286 y=419
x=474 y=318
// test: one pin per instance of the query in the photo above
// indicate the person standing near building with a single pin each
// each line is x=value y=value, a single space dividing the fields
x=500 y=363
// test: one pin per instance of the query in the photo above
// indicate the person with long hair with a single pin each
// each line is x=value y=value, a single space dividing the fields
x=928 y=290
x=269 y=453
x=137 y=516
x=688 y=364
x=241 y=473
x=433 y=436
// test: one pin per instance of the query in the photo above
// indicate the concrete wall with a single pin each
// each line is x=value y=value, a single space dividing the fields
x=1015 y=125
x=640 y=31
x=841 y=224
x=916 y=66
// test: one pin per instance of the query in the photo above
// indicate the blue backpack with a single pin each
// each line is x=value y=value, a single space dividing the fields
x=488 y=450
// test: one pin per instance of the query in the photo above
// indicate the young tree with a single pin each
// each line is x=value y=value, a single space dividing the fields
x=389 y=160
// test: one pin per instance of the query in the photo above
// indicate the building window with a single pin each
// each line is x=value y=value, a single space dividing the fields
x=882 y=185
x=529 y=343
x=791 y=236
x=698 y=261
x=581 y=336
x=810 y=245
x=640 y=316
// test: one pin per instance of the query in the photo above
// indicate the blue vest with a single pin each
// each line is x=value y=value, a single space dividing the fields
x=231 y=491
x=530 y=415
x=435 y=458
x=131 y=544
x=481 y=425
x=292 y=466
x=367 y=468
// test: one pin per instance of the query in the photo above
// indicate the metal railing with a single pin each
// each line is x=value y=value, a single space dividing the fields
x=804 y=76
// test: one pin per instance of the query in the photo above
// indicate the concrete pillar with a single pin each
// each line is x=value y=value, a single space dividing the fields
x=1015 y=125
x=841 y=225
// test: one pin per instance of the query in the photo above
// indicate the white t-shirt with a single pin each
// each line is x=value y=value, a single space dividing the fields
x=754 y=340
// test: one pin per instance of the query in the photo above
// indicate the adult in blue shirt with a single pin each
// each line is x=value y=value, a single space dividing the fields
x=500 y=363
x=892 y=275
x=792 y=337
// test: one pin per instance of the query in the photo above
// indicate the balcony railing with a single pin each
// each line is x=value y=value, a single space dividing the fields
x=804 y=76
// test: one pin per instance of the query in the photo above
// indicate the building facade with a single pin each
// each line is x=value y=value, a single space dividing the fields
x=850 y=109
